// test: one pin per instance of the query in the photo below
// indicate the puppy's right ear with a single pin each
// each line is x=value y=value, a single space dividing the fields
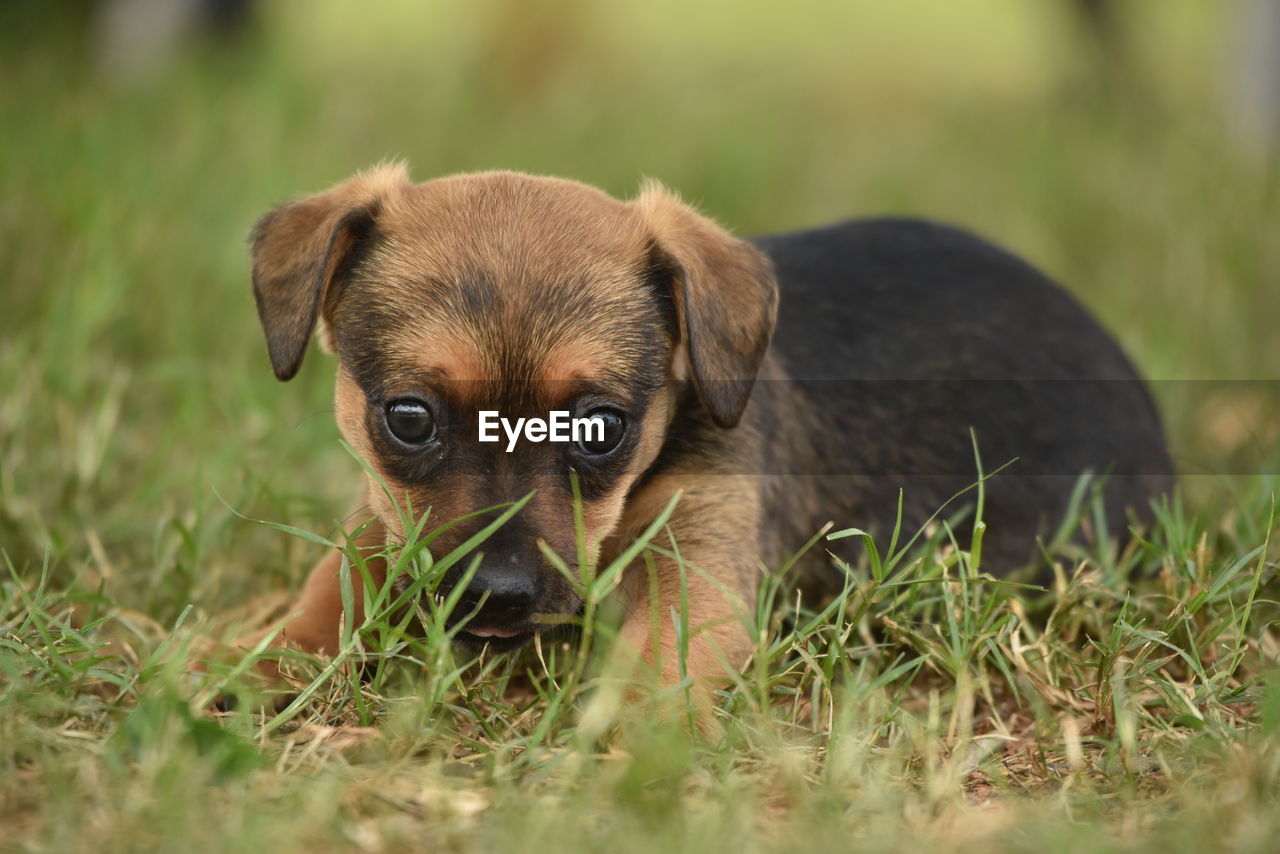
x=298 y=250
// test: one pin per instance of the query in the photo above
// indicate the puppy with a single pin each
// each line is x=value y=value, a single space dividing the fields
x=776 y=384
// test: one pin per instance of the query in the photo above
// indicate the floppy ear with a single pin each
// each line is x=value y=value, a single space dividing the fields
x=726 y=298
x=299 y=249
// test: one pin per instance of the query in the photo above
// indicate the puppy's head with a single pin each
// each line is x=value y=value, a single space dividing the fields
x=521 y=296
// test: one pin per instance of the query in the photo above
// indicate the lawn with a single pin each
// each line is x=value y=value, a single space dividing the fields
x=148 y=458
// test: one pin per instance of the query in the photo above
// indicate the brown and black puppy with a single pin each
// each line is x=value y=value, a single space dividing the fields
x=501 y=292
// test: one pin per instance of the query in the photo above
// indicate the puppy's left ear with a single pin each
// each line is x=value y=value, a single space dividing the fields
x=726 y=297
x=300 y=248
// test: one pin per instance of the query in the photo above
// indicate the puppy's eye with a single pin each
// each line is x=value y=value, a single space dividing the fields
x=410 y=421
x=605 y=435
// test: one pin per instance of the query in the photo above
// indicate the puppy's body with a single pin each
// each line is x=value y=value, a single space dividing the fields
x=895 y=338
x=524 y=295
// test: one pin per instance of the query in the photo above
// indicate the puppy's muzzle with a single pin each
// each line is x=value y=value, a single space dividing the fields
x=498 y=605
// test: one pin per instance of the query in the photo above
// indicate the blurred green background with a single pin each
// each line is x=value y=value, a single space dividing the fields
x=136 y=402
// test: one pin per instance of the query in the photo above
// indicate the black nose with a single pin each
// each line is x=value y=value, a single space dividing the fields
x=511 y=590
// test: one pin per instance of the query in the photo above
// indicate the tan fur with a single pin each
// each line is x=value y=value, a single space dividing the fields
x=715 y=514
x=453 y=355
x=498 y=221
x=570 y=360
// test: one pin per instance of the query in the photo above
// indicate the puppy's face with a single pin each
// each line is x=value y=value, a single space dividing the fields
x=518 y=297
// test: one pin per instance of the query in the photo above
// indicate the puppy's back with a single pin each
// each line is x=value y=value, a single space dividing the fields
x=901 y=335
x=908 y=299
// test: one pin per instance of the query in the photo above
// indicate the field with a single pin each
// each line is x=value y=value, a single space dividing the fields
x=148 y=459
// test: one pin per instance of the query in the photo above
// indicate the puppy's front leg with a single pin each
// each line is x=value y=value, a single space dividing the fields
x=313 y=623
x=715 y=530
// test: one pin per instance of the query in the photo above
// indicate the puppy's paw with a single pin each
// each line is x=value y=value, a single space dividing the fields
x=250 y=662
x=622 y=712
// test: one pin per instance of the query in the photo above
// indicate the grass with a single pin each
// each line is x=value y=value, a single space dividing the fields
x=1135 y=705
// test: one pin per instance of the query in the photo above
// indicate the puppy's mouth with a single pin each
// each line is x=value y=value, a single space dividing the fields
x=496 y=638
